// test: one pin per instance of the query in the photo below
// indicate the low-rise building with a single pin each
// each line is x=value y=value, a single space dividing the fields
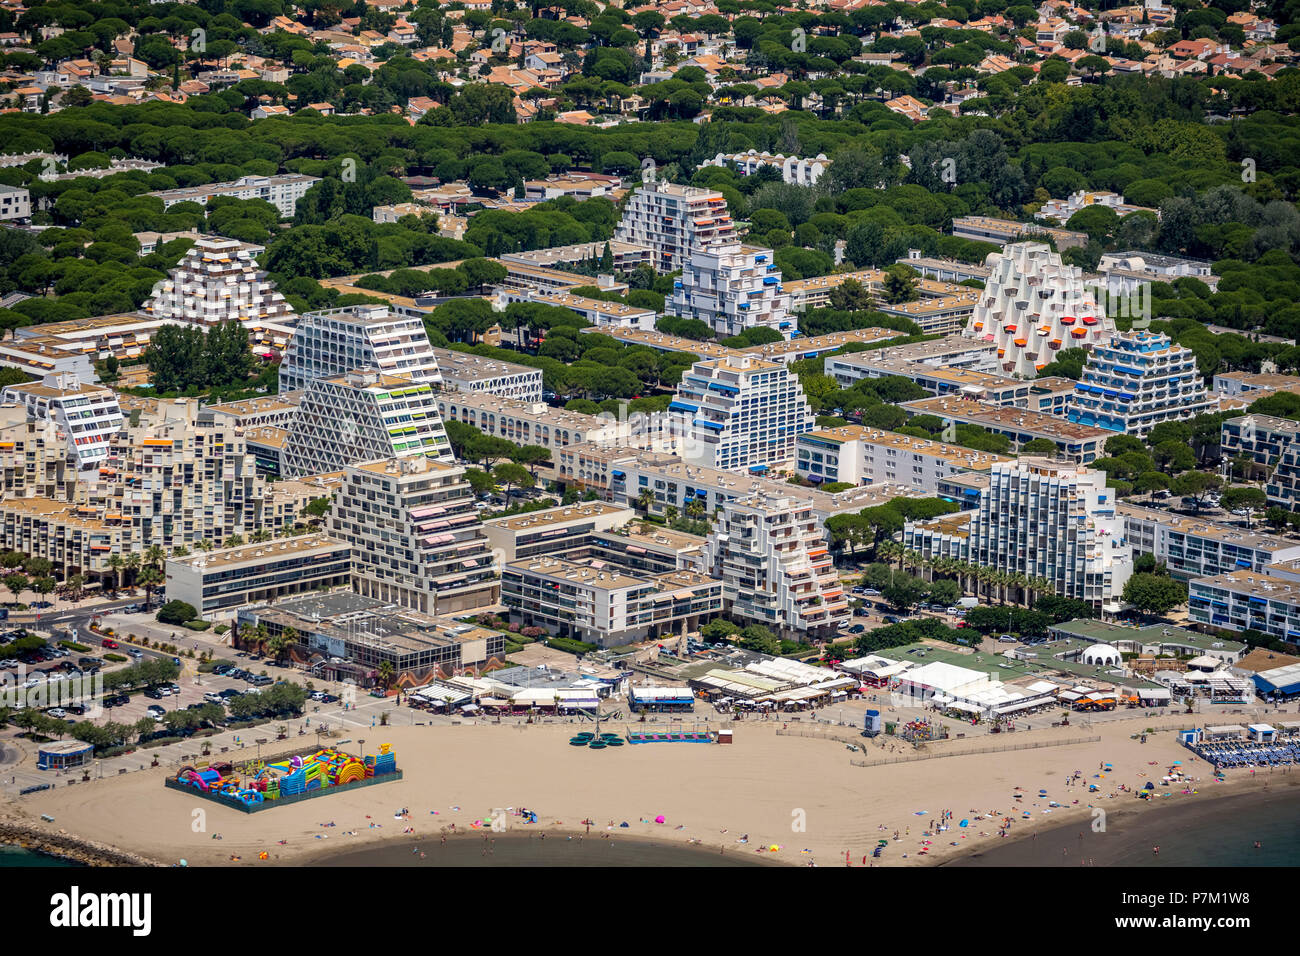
x=15 y=203
x=858 y=454
x=604 y=606
x=218 y=583
x=557 y=532
x=1081 y=443
x=346 y=636
x=528 y=423
x=1272 y=446
x=282 y=191
x=1194 y=547
x=1003 y=231
x=468 y=372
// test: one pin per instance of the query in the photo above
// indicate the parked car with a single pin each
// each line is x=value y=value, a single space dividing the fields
x=156 y=712
x=129 y=609
x=153 y=693
x=1006 y=639
x=214 y=698
x=857 y=629
x=136 y=653
x=57 y=712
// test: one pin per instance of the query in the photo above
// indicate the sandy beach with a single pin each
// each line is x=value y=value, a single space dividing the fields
x=799 y=794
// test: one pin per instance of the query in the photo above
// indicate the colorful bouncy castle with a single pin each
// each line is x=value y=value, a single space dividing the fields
x=292 y=778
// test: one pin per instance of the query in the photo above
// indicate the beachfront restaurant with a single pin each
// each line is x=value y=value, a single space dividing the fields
x=872 y=671
x=661 y=700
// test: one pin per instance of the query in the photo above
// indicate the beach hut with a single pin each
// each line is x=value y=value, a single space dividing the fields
x=724 y=736
x=1263 y=733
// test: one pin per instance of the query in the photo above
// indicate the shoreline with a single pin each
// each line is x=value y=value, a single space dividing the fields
x=1135 y=828
x=1135 y=812
x=802 y=795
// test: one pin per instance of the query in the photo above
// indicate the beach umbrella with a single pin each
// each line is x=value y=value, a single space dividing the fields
x=964 y=823
x=773 y=848
x=659 y=819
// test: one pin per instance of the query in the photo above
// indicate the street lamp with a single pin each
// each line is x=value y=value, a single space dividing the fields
x=363 y=750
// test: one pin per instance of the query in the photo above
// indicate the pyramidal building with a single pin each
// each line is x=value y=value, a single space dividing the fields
x=1033 y=306
x=219 y=280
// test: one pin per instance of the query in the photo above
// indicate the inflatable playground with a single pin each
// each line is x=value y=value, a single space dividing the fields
x=303 y=775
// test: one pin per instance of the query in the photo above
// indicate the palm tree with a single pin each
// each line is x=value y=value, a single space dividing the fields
x=154 y=556
x=247 y=634
x=645 y=500
x=115 y=564
x=257 y=537
x=132 y=563
x=205 y=545
x=74 y=585
x=1020 y=582
x=149 y=577
x=386 y=674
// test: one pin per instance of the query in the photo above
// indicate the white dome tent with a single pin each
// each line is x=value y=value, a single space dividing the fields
x=1102 y=655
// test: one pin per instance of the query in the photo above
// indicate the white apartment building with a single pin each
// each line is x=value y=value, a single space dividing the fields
x=1194 y=547
x=468 y=372
x=741 y=413
x=796 y=171
x=606 y=606
x=15 y=203
x=1267 y=601
x=1135 y=381
x=1032 y=306
x=599 y=312
x=1273 y=446
x=1043 y=519
x=219 y=280
x=361 y=416
x=731 y=288
x=335 y=341
x=88 y=415
x=528 y=423
x=861 y=455
x=1126 y=272
x=220 y=582
x=673 y=221
x=415 y=536
x=1062 y=209
x=771 y=555
x=281 y=191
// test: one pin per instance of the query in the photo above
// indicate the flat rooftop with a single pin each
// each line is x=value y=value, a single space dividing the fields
x=953 y=454
x=1011 y=419
x=532 y=411
x=667 y=343
x=811 y=345
x=1208 y=529
x=254 y=406
x=278 y=549
x=361 y=620
x=600 y=579
x=657 y=536
x=1107 y=633
x=616 y=310
x=466 y=366
x=555 y=516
